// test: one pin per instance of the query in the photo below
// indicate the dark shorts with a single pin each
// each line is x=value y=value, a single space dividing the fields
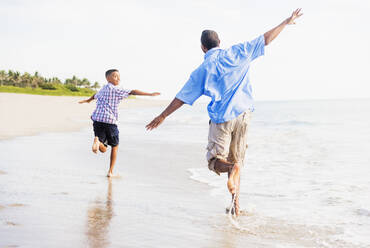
x=108 y=133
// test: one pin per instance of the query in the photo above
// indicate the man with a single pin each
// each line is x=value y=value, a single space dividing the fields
x=224 y=76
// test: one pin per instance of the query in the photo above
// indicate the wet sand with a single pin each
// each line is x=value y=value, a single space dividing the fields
x=25 y=115
x=53 y=189
x=56 y=192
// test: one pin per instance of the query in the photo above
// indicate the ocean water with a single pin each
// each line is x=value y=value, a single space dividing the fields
x=307 y=170
x=305 y=183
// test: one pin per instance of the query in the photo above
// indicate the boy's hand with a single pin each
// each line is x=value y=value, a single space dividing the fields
x=155 y=123
x=155 y=94
x=83 y=101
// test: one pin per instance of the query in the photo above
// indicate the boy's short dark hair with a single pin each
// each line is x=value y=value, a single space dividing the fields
x=209 y=39
x=107 y=73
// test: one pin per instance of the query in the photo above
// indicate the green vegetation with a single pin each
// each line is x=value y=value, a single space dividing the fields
x=15 y=82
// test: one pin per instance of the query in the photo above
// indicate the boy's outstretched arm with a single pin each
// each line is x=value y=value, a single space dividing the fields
x=174 y=105
x=142 y=93
x=87 y=100
x=273 y=33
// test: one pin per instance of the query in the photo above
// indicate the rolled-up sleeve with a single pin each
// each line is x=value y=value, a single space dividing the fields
x=247 y=50
x=97 y=94
x=256 y=47
x=193 y=88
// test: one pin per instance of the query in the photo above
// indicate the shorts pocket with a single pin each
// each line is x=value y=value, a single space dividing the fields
x=210 y=146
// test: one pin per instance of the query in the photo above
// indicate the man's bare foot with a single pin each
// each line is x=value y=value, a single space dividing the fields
x=241 y=212
x=110 y=174
x=234 y=206
x=95 y=145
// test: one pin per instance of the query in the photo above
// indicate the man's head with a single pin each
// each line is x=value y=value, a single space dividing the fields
x=209 y=40
x=113 y=76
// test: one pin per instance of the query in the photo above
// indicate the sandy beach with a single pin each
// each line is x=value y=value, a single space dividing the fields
x=54 y=191
x=25 y=115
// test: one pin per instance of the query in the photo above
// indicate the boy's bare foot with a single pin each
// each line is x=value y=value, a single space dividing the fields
x=95 y=145
x=110 y=174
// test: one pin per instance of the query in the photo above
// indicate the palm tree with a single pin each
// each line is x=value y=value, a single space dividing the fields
x=25 y=80
x=85 y=82
x=95 y=86
x=15 y=78
x=3 y=77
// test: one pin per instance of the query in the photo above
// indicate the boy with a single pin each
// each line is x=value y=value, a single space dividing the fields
x=105 y=116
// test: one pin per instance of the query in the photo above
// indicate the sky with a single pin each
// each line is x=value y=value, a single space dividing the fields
x=156 y=44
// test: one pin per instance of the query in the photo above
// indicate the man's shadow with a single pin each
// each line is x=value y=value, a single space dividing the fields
x=99 y=215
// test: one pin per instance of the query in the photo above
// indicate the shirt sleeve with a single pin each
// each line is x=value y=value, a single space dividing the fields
x=122 y=93
x=97 y=94
x=250 y=49
x=192 y=89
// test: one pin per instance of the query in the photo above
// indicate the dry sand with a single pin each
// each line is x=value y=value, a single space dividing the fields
x=25 y=115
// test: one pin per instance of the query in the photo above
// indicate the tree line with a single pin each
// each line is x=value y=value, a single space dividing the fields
x=17 y=79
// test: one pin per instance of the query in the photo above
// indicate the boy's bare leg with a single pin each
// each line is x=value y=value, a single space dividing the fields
x=96 y=144
x=102 y=147
x=232 y=169
x=113 y=156
x=237 y=207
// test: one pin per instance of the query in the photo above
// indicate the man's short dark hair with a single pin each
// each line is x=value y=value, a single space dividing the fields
x=209 y=39
x=107 y=73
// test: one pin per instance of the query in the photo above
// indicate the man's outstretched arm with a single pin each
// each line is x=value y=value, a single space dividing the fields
x=273 y=33
x=174 y=105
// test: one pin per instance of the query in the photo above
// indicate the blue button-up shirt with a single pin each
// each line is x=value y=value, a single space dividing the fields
x=224 y=76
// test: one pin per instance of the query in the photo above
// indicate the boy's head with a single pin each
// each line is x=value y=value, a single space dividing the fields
x=209 y=40
x=113 y=76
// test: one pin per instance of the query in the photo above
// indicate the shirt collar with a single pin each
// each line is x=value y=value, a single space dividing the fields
x=211 y=51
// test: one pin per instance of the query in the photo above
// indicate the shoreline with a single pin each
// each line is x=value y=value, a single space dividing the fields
x=29 y=115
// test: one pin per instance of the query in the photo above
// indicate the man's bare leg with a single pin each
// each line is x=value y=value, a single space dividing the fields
x=113 y=156
x=232 y=169
x=237 y=206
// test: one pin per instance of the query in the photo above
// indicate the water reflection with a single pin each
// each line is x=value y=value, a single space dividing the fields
x=99 y=216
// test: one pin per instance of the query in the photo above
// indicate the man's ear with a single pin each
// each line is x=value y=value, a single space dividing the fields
x=203 y=48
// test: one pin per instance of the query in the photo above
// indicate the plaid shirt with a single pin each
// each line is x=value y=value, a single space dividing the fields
x=108 y=99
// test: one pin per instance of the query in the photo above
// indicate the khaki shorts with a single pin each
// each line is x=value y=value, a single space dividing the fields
x=228 y=141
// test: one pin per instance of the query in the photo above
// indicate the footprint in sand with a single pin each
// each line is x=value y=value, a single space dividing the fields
x=15 y=205
x=61 y=193
x=2 y=172
x=1 y=207
x=9 y=223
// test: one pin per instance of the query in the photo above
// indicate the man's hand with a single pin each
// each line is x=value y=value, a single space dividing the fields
x=155 y=94
x=174 y=105
x=155 y=123
x=294 y=16
x=273 y=33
